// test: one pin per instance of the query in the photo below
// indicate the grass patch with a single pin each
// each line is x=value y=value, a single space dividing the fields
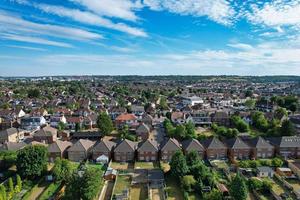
x=173 y=188
x=123 y=182
x=146 y=165
x=139 y=192
x=117 y=165
x=50 y=191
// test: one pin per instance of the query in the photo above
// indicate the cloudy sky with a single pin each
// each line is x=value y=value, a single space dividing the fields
x=149 y=37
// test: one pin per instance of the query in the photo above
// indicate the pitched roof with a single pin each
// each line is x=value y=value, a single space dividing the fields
x=170 y=145
x=143 y=128
x=8 y=132
x=236 y=143
x=126 y=117
x=259 y=142
x=104 y=145
x=148 y=145
x=192 y=144
x=82 y=145
x=286 y=141
x=46 y=131
x=125 y=146
x=12 y=146
x=213 y=143
x=59 y=146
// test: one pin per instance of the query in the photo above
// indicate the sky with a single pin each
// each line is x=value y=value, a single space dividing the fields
x=149 y=37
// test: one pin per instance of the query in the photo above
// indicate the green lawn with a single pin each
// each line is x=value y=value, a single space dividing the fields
x=165 y=166
x=139 y=192
x=146 y=165
x=173 y=188
x=123 y=182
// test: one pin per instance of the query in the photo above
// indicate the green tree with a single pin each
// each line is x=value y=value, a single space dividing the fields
x=213 y=195
x=192 y=158
x=188 y=182
x=3 y=195
x=18 y=187
x=180 y=131
x=33 y=93
x=250 y=103
x=287 y=128
x=62 y=169
x=77 y=127
x=277 y=162
x=190 y=130
x=178 y=165
x=238 y=188
x=61 y=126
x=280 y=113
x=32 y=161
x=84 y=187
x=10 y=188
x=105 y=124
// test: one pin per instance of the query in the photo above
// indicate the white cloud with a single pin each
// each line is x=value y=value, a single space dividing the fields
x=26 y=47
x=35 y=40
x=241 y=46
x=123 y=9
x=276 y=13
x=219 y=11
x=90 y=18
x=12 y=24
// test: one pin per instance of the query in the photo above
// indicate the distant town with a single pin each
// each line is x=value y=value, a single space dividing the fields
x=150 y=137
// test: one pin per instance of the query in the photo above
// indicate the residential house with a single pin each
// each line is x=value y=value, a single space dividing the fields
x=200 y=118
x=287 y=146
x=294 y=165
x=221 y=118
x=125 y=151
x=148 y=120
x=138 y=111
x=12 y=146
x=147 y=151
x=104 y=147
x=11 y=135
x=46 y=135
x=56 y=119
x=143 y=131
x=168 y=148
x=295 y=119
x=115 y=111
x=193 y=145
x=126 y=119
x=215 y=149
x=178 y=117
x=238 y=149
x=73 y=120
x=192 y=100
x=91 y=135
x=58 y=149
x=261 y=148
x=81 y=150
x=32 y=123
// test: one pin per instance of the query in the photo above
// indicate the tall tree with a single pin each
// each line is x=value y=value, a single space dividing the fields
x=105 y=123
x=18 y=187
x=287 y=128
x=178 y=165
x=32 y=161
x=192 y=158
x=238 y=188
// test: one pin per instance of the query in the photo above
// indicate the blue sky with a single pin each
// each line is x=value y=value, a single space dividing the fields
x=149 y=37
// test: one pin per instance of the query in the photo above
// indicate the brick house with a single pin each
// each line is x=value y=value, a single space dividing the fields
x=11 y=135
x=261 y=148
x=287 y=146
x=125 y=151
x=81 y=150
x=238 y=149
x=215 y=149
x=147 y=151
x=193 y=145
x=104 y=147
x=168 y=149
x=143 y=131
x=45 y=135
x=58 y=149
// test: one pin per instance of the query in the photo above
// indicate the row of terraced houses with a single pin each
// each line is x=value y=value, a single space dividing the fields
x=149 y=150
